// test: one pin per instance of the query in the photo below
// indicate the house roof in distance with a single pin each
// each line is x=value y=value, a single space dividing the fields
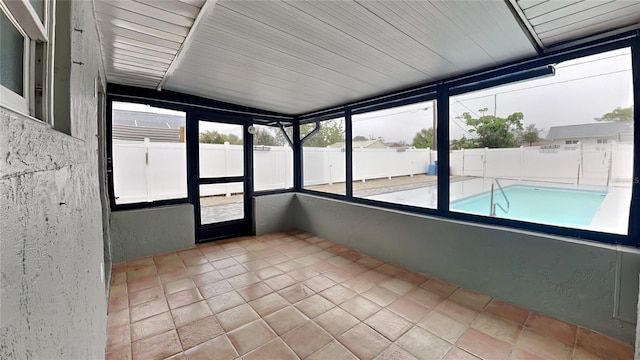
x=591 y=130
x=376 y=143
x=147 y=119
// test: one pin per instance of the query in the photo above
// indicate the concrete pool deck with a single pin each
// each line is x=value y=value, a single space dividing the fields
x=421 y=190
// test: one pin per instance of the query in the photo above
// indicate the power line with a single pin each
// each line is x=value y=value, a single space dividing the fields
x=544 y=85
x=354 y=119
x=590 y=61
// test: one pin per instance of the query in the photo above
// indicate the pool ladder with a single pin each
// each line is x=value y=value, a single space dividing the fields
x=494 y=204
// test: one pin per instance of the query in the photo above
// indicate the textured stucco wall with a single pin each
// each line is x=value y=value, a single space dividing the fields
x=567 y=279
x=144 y=232
x=52 y=299
x=270 y=213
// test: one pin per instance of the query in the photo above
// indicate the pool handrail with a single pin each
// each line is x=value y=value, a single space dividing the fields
x=493 y=204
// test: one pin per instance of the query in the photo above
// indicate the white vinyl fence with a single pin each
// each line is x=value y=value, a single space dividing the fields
x=592 y=164
x=327 y=165
x=145 y=171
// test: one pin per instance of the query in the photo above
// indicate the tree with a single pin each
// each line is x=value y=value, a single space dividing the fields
x=618 y=114
x=265 y=138
x=530 y=134
x=359 y=138
x=462 y=143
x=214 y=137
x=494 y=131
x=423 y=139
x=331 y=132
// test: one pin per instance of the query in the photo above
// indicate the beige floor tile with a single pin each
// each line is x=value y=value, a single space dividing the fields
x=285 y=320
x=398 y=286
x=269 y=304
x=508 y=311
x=380 y=295
x=191 y=313
x=183 y=298
x=333 y=351
x=199 y=331
x=237 y=316
x=457 y=312
x=394 y=352
x=364 y=342
x=484 y=346
x=255 y=291
x=409 y=309
x=423 y=345
x=219 y=348
x=443 y=326
x=157 y=347
x=532 y=341
x=551 y=327
x=148 y=309
x=338 y=294
x=470 y=299
x=251 y=336
x=314 y=305
x=154 y=325
x=360 y=307
x=225 y=301
x=496 y=327
x=603 y=346
x=459 y=354
x=336 y=321
x=388 y=324
x=275 y=349
x=306 y=339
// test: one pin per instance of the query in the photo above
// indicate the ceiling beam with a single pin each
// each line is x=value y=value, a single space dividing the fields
x=525 y=25
x=205 y=11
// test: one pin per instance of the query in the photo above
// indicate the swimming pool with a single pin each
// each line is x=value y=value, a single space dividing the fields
x=553 y=206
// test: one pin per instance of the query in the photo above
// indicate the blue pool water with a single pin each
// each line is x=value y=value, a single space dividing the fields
x=563 y=207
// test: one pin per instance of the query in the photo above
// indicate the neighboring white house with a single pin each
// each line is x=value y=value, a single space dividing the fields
x=593 y=133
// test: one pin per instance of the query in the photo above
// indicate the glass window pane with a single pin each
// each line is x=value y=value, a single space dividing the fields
x=324 y=157
x=272 y=159
x=149 y=153
x=221 y=149
x=393 y=155
x=38 y=6
x=556 y=150
x=11 y=56
x=221 y=202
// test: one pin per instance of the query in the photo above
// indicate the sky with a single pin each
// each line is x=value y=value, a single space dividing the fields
x=580 y=90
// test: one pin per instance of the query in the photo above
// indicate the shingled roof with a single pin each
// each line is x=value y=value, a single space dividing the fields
x=592 y=130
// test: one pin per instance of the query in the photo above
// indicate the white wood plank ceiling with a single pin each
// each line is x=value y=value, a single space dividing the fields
x=300 y=56
x=553 y=21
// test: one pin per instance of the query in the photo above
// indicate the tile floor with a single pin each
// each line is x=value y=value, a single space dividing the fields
x=297 y=296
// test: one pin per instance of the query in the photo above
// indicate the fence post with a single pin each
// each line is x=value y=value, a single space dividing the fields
x=580 y=162
x=330 y=174
x=462 y=162
x=147 y=143
x=226 y=167
x=484 y=162
x=521 y=162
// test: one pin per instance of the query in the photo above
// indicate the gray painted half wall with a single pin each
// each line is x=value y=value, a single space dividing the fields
x=568 y=279
x=151 y=231
x=271 y=213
